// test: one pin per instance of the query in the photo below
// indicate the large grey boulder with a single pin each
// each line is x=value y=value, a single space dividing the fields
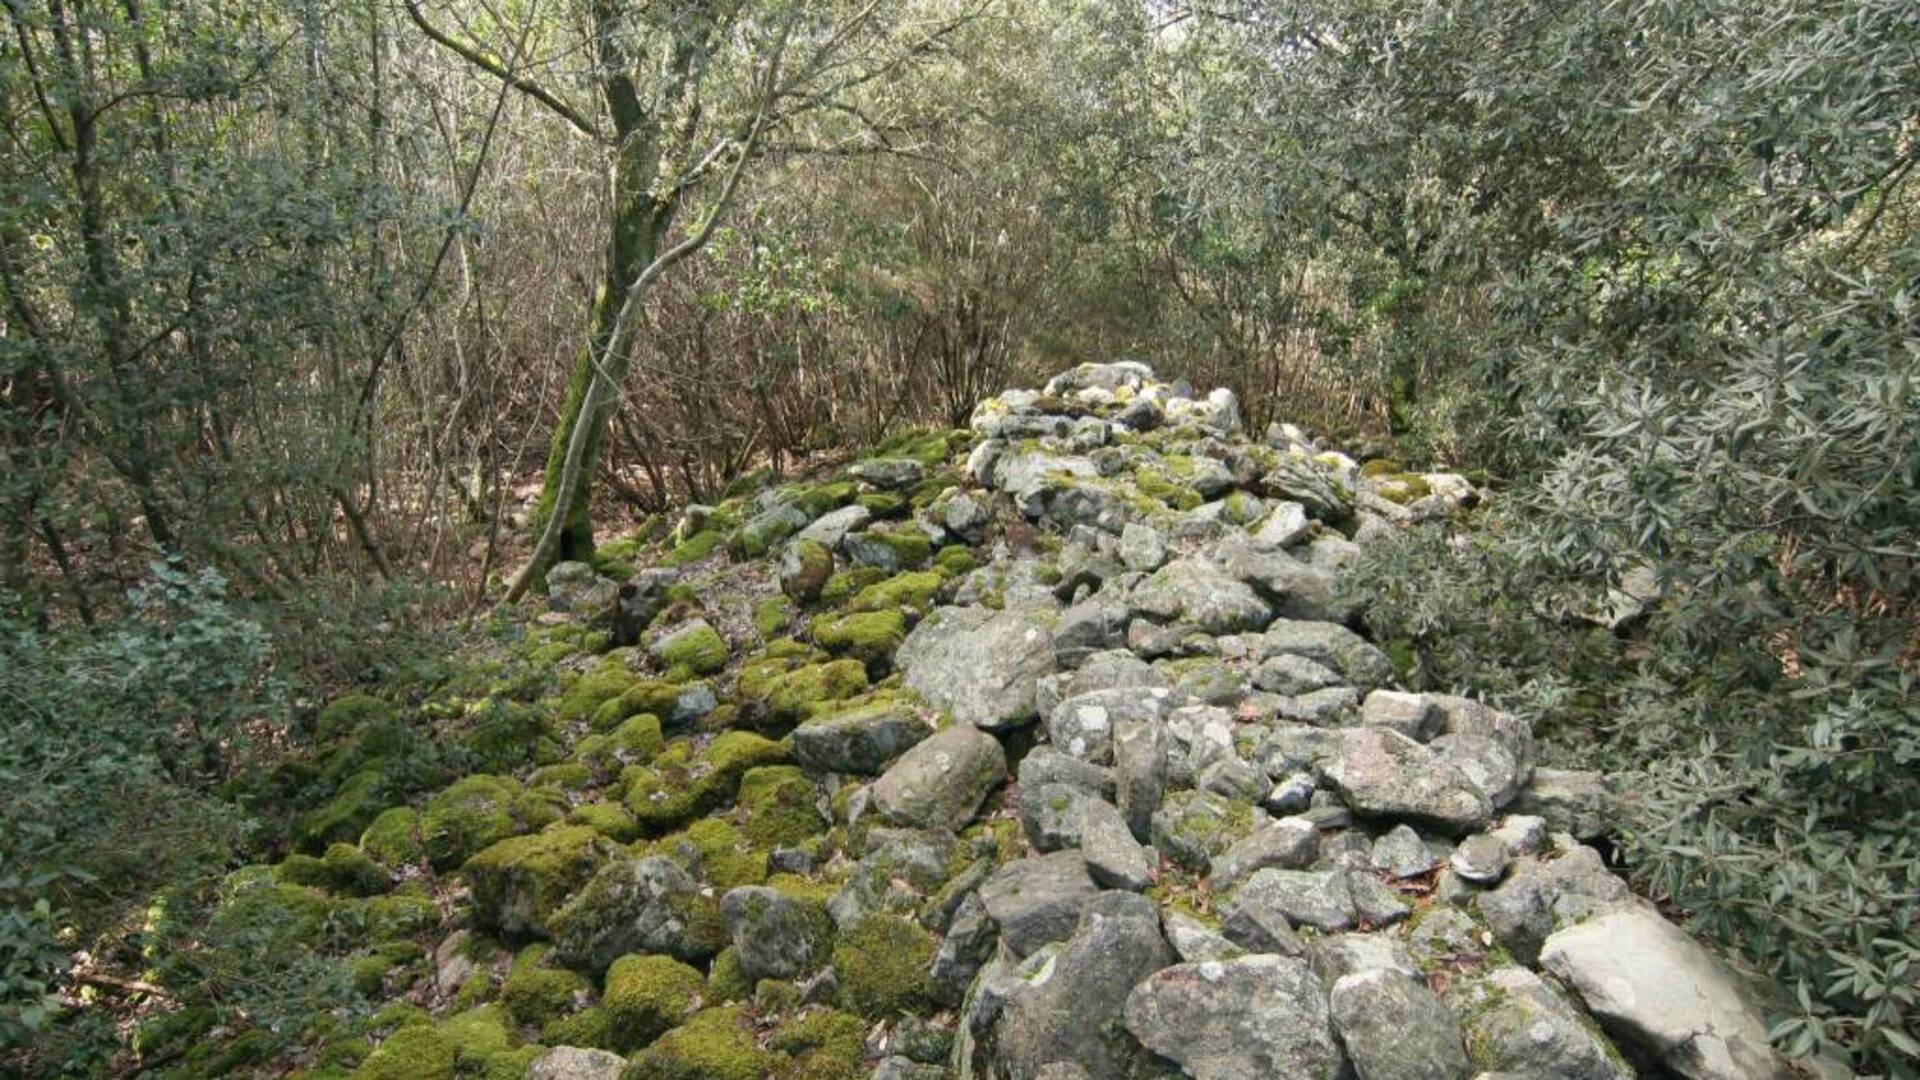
x=862 y=740
x=1518 y=1023
x=1382 y=773
x=1659 y=990
x=774 y=936
x=1195 y=591
x=1037 y=900
x=1394 y=1028
x=1069 y=1010
x=978 y=665
x=1253 y=1018
x=942 y=780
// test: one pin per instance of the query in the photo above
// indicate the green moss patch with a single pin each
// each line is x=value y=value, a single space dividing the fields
x=646 y=996
x=716 y=1044
x=518 y=884
x=882 y=964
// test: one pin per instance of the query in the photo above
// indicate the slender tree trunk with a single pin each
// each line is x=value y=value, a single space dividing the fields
x=639 y=228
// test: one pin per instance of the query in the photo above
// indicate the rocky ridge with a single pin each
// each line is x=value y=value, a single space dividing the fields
x=1041 y=750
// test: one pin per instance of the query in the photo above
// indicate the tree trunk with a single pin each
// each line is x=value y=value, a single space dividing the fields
x=639 y=227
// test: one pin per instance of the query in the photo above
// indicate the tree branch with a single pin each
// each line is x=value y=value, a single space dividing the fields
x=493 y=67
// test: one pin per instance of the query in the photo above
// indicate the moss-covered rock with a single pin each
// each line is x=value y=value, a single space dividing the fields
x=824 y=1044
x=400 y=916
x=590 y=1027
x=675 y=701
x=847 y=584
x=646 y=996
x=914 y=590
x=776 y=807
x=537 y=992
x=891 y=550
x=882 y=963
x=882 y=504
x=682 y=785
x=777 y=693
x=715 y=1044
x=394 y=838
x=694 y=646
x=609 y=819
x=518 y=884
x=696 y=547
x=355 y=803
x=347 y=714
x=871 y=637
x=415 y=1052
x=726 y=980
x=478 y=811
x=805 y=568
x=954 y=560
x=717 y=852
x=563 y=776
x=636 y=741
x=592 y=689
x=344 y=869
x=772 y=616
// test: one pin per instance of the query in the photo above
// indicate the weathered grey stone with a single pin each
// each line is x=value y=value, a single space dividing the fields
x=1374 y=904
x=1037 y=900
x=1486 y=761
x=863 y=739
x=1320 y=707
x=576 y=1063
x=1480 y=858
x=1296 y=589
x=1653 y=986
x=1192 y=590
x=1290 y=843
x=1093 y=626
x=941 y=780
x=1465 y=716
x=1402 y=854
x=1051 y=815
x=1070 y=1008
x=1522 y=833
x=1046 y=765
x=1316 y=898
x=1083 y=726
x=900 y=867
x=831 y=527
x=1109 y=669
x=890 y=473
x=774 y=936
x=1409 y=714
x=1142 y=547
x=966 y=517
x=978 y=665
x=1114 y=858
x=577 y=588
x=1335 y=955
x=805 y=567
x=1254 y=1018
x=1284 y=524
x=1236 y=779
x=1543 y=895
x=1191 y=827
x=1394 y=1028
x=1569 y=801
x=1332 y=645
x=1140 y=767
x=966 y=947
x=1291 y=675
x=1383 y=773
x=1196 y=941
x=1518 y=1023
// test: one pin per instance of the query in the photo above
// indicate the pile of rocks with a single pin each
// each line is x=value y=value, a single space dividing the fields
x=1051 y=749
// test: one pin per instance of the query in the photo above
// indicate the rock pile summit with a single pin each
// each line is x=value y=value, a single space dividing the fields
x=1056 y=754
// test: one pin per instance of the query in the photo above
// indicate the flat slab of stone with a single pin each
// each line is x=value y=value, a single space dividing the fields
x=1037 y=900
x=1653 y=986
x=1382 y=773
